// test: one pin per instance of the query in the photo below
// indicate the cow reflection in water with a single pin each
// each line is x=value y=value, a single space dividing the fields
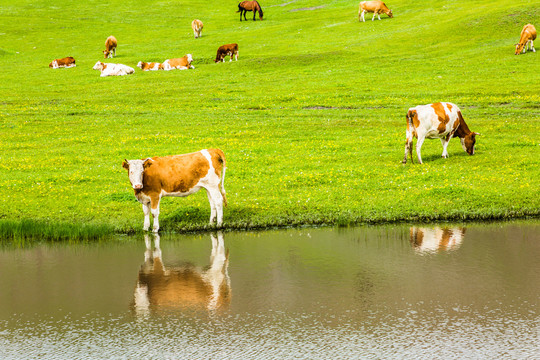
x=163 y=288
x=430 y=240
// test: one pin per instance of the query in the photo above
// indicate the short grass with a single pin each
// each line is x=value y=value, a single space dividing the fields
x=311 y=118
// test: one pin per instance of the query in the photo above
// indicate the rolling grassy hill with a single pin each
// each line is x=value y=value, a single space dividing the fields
x=311 y=117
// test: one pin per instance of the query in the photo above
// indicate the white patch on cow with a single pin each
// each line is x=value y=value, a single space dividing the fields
x=136 y=169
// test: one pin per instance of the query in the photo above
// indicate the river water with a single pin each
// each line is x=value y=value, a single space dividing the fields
x=432 y=292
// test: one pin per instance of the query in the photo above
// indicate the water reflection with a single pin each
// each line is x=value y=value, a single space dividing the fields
x=160 y=287
x=430 y=240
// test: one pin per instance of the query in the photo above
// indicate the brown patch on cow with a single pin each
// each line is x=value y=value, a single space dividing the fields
x=413 y=115
x=104 y=66
x=449 y=106
x=442 y=116
x=182 y=62
x=417 y=236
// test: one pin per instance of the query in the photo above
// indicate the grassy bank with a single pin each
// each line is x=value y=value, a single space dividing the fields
x=311 y=118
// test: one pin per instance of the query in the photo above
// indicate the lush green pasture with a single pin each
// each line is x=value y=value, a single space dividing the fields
x=311 y=117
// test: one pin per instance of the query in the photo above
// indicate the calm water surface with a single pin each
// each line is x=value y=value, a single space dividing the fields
x=368 y=292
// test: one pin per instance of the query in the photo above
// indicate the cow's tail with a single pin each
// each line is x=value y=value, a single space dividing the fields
x=411 y=131
x=224 y=168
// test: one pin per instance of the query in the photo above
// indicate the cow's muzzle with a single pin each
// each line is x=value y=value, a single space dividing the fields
x=138 y=187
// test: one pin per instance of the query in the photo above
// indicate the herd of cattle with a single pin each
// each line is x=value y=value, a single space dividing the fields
x=182 y=175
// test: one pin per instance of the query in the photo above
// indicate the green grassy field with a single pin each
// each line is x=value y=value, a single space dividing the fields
x=311 y=117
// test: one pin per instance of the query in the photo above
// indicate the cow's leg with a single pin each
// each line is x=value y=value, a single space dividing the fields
x=445 y=143
x=217 y=198
x=379 y=15
x=419 y=143
x=154 y=209
x=146 y=211
x=213 y=211
x=374 y=14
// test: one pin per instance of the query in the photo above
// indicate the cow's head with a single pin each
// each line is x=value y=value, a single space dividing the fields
x=106 y=53
x=140 y=64
x=189 y=58
x=52 y=64
x=519 y=48
x=98 y=66
x=135 y=170
x=468 y=142
x=389 y=13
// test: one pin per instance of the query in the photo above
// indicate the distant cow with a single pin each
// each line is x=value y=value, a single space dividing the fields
x=441 y=120
x=108 y=69
x=178 y=175
x=227 y=50
x=162 y=288
x=197 y=27
x=375 y=7
x=67 y=62
x=182 y=63
x=528 y=35
x=144 y=66
x=110 y=47
x=431 y=240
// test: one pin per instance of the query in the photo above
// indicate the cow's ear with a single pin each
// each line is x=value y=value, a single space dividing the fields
x=125 y=164
x=147 y=162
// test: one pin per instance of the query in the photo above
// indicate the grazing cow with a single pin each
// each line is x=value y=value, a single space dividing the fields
x=165 y=288
x=67 y=62
x=528 y=35
x=227 y=50
x=108 y=69
x=110 y=47
x=178 y=175
x=440 y=120
x=375 y=7
x=197 y=27
x=182 y=63
x=431 y=240
x=144 y=66
x=246 y=6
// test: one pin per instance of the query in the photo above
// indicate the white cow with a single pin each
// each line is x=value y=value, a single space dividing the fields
x=108 y=69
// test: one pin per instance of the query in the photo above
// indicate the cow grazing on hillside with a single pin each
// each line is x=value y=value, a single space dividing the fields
x=178 y=175
x=182 y=63
x=110 y=47
x=431 y=240
x=528 y=35
x=197 y=27
x=108 y=69
x=375 y=7
x=144 y=66
x=441 y=120
x=246 y=6
x=67 y=62
x=165 y=288
x=227 y=50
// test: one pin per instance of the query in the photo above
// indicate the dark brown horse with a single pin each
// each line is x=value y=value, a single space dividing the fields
x=246 y=6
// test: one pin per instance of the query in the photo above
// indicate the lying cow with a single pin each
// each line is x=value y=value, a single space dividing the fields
x=108 y=69
x=67 y=62
x=110 y=47
x=162 y=288
x=144 y=66
x=182 y=63
x=441 y=120
x=227 y=50
x=197 y=27
x=375 y=7
x=528 y=35
x=178 y=175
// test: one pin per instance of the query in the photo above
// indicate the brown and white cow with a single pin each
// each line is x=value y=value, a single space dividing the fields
x=227 y=50
x=430 y=240
x=197 y=27
x=182 y=63
x=67 y=62
x=441 y=120
x=376 y=7
x=178 y=175
x=528 y=35
x=166 y=288
x=108 y=69
x=144 y=66
x=110 y=47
